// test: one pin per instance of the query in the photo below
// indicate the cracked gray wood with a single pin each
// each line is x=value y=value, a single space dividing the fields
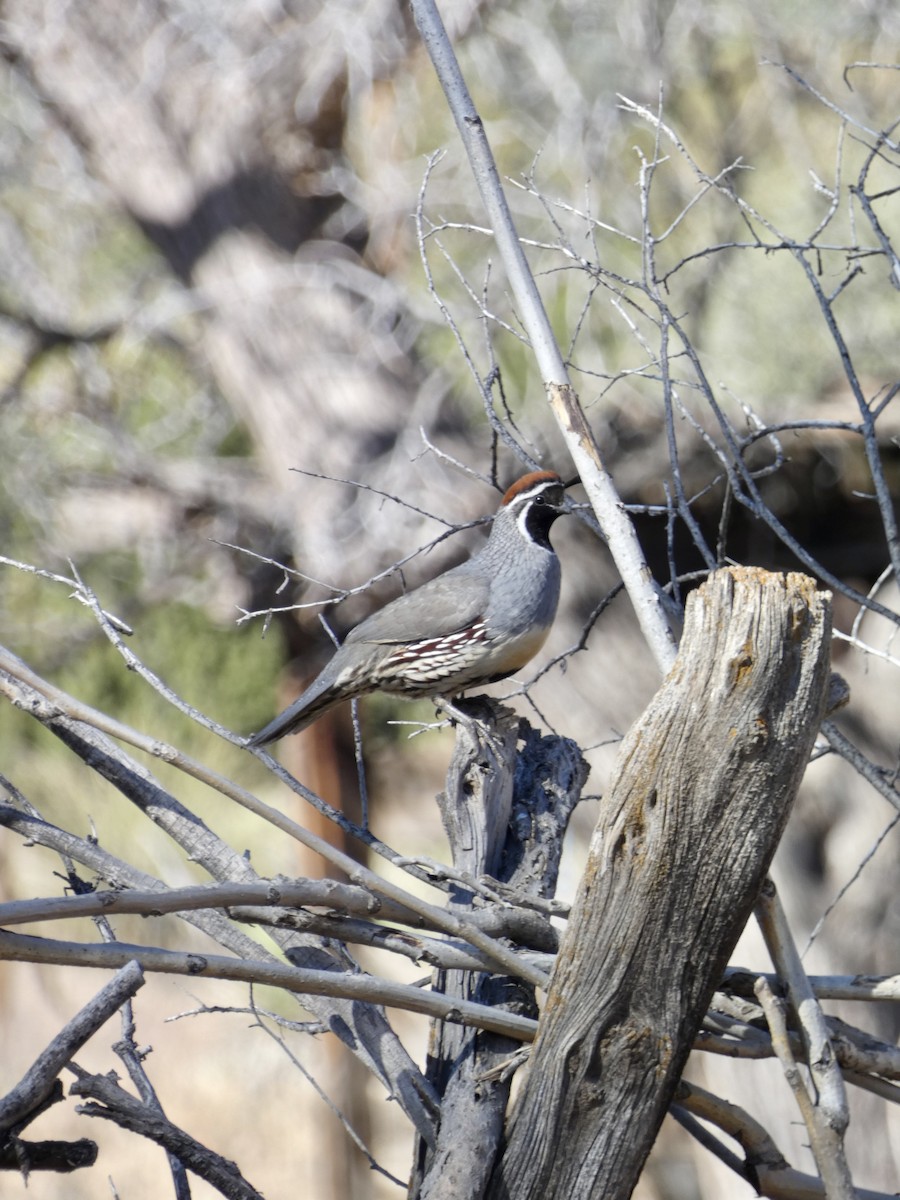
x=703 y=787
x=510 y=793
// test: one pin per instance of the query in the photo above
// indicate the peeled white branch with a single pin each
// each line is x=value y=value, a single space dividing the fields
x=614 y=521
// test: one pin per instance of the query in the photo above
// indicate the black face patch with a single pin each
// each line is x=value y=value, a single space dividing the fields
x=540 y=513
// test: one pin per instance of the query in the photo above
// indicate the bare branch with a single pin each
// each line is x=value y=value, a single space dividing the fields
x=826 y=1117
x=36 y=1084
x=564 y=403
x=25 y=948
x=880 y=779
x=114 y=1104
x=765 y=1164
x=826 y=987
x=13 y=671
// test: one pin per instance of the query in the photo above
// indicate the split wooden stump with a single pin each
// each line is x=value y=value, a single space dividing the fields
x=689 y=824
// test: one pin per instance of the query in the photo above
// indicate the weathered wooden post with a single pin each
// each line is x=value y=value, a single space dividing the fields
x=703 y=787
x=509 y=795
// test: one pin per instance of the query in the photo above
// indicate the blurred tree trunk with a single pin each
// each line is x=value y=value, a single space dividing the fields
x=702 y=791
x=223 y=135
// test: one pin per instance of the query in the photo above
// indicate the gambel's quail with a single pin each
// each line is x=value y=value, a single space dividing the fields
x=477 y=623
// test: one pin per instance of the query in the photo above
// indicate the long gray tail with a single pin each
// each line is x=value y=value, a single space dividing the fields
x=318 y=698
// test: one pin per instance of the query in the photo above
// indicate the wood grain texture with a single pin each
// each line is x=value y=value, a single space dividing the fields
x=702 y=789
x=510 y=793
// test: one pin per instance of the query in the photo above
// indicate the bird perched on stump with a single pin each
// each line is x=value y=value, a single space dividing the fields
x=477 y=623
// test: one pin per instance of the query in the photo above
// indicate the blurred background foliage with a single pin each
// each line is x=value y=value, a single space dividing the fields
x=211 y=276
x=118 y=400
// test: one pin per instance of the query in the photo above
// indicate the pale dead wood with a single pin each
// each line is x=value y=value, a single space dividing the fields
x=766 y=1166
x=475 y=808
x=824 y=1105
x=702 y=791
x=360 y=991
x=509 y=796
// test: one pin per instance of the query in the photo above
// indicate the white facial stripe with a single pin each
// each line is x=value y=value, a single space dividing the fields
x=537 y=490
x=521 y=520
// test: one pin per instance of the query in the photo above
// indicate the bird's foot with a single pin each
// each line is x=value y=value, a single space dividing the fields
x=476 y=715
x=454 y=711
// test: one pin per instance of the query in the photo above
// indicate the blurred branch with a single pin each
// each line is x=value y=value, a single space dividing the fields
x=880 y=778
